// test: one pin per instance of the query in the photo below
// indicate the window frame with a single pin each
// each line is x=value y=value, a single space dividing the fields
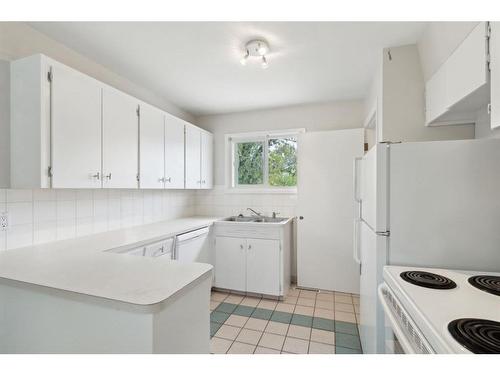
x=231 y=163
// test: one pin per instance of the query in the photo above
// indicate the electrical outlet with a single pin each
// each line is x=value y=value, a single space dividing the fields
x=4 y=221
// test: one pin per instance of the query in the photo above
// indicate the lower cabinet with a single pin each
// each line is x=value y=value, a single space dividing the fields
x=248 y=265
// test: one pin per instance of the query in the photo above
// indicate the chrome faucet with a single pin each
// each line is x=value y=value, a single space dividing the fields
x=255 y=212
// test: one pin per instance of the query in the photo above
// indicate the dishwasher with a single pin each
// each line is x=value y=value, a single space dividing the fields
x=193 y=246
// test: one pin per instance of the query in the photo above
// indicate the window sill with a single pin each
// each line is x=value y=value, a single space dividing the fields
x=229 y=190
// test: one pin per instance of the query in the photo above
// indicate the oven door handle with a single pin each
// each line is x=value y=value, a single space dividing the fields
x=398 y=331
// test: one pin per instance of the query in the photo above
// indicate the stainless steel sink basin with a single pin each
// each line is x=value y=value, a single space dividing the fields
x=255 y=219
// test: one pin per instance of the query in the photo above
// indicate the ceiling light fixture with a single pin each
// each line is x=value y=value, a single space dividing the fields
x=256 y=48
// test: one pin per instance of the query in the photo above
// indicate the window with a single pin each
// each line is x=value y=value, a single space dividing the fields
x=264 y=160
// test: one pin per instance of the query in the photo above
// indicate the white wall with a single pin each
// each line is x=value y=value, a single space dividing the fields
x=313 y=117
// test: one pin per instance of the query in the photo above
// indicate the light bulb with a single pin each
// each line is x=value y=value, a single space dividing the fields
x=264 y=63
x=261 y=50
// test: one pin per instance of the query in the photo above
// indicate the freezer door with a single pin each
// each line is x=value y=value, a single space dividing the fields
x=373 y=258
x=445 y=205
x=373 y=188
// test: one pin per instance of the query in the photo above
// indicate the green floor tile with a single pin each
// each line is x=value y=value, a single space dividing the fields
x=218 y=317
x=262 y=314
x=345 y=327
x=302 y=320
x=324 y=324
x=341 y=350
x=244 y=310
x=282 y=317
x=226 y=307
x=214 y=327
x=347 y=341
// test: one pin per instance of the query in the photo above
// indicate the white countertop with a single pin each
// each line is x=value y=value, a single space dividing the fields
x=83 y=265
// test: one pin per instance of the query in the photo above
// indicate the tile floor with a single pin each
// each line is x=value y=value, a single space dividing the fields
x=304 y=322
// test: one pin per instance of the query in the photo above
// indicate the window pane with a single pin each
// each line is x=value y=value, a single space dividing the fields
x=250 y=163
x=283 y=162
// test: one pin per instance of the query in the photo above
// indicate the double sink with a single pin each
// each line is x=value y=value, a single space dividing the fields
x=255 y=219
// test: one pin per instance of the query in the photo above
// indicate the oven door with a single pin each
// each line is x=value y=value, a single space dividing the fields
x=402 y=335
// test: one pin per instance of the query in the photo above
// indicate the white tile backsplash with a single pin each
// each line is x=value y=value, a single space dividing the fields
x=45 y=215
x=219 y=202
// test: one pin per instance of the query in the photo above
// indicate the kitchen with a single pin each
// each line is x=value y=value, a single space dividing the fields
x=286 y=201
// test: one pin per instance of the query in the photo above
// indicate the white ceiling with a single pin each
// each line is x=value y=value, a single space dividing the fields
x=196 y=64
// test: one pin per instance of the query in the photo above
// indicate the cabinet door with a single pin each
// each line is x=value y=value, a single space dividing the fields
x=76 y=130
x=466 y=67
x=495 y=74
x=193 y=157
x=435 y=96
x=120 y=143
x=230 y=263
x=151 y=148
x=207 y=160
x=174 y=152
x=263 y=266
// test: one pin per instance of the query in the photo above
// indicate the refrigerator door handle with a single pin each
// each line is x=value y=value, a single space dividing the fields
x=356 y=254
x=357 y=193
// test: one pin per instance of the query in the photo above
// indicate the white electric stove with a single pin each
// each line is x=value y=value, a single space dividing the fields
x=431 y=310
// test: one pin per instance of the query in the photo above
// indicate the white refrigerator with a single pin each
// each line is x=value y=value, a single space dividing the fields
x=433 y=204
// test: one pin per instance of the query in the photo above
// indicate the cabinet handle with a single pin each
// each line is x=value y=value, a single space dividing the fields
x=108 y=176
x=97 y=175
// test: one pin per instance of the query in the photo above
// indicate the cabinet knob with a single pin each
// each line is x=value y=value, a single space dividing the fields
x=249 y=247
x=241 y=247
x=161 y=179
x=301 y=217
x=97 y=175
x=108 y=176
x=168 y=179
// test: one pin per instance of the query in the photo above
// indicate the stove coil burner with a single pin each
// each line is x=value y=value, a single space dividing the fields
x=480 y=336
x=428 y=280
x=487 y=283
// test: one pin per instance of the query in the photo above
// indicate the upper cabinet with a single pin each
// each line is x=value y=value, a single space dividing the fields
x=199 y=158
x=495 y=73
x=151 y=147
x=174 y=152
x=207 y=160
x=69 y=130
x=460 y=87
x=193 y=157
x=120 y=139
x=75 y=129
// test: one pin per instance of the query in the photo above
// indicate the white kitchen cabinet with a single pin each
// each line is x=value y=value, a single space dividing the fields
x=120 y=139
x=151 y=147
x=69 y=130
x=459 y=88
x=253 y=257
x=263 y=266
x=174 y=152
x=75 y=129
x=193 y=157
x=207 y=160
x=495 y=73
x=230 y=259
x=199 y=158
